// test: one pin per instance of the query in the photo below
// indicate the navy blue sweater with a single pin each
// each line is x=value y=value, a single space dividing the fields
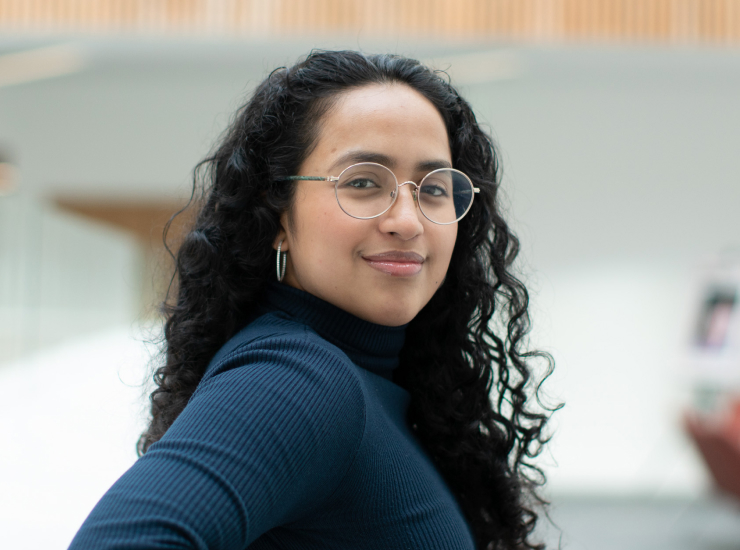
x=295 y=438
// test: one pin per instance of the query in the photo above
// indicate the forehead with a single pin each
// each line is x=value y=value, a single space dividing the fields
x=393 y=120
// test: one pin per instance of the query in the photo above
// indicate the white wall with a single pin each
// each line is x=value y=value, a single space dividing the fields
x=620 y=154
x=61 y=277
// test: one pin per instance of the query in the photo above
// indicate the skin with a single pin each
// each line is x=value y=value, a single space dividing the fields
x=368 y=267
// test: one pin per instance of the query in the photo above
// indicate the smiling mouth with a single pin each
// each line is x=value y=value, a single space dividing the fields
x=396 y=264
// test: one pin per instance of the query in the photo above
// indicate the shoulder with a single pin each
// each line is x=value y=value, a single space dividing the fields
x=278 y=391
x=268 y=326
x=278 y=340
x=276 y=363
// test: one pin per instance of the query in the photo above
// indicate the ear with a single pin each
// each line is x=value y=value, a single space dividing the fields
x=282 y=235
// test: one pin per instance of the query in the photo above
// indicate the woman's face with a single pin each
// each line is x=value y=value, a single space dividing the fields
x=383 y=270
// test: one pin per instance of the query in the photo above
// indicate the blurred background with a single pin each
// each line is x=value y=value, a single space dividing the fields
x=618 y=122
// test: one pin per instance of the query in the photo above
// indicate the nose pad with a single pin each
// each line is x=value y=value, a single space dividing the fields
x=404 y=219
x=414 y=190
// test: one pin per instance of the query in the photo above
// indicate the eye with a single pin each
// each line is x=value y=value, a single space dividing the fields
x=361 y=183
x=434 y=190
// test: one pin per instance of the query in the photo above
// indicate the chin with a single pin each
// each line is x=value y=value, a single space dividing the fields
x=395 y=315
x=395 y=321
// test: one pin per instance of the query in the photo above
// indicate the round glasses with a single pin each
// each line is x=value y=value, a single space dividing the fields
x=368 y=190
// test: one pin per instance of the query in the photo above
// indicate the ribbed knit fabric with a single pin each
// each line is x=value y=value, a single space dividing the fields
x=295 y=439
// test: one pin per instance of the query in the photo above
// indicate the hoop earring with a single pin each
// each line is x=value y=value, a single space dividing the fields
x=284 y=262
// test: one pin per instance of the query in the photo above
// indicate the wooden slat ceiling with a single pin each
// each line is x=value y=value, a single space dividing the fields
x=643 y=21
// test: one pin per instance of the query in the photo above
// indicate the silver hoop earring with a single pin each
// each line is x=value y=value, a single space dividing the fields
x=283 y=261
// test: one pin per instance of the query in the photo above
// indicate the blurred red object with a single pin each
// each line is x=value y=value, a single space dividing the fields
x=718 y=440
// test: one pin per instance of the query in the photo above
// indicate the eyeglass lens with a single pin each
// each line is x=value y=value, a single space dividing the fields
x=367 y=190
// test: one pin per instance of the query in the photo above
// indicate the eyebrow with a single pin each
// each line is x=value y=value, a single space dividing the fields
x=429 y=165
x=353 y=157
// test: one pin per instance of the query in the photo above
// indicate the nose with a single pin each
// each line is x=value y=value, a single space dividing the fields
x=404 y=217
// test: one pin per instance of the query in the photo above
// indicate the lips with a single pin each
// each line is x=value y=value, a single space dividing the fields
x=396 y=263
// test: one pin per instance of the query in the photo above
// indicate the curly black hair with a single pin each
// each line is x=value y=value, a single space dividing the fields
x=474 y=394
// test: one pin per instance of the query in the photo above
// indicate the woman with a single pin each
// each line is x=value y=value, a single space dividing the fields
x=347 y=403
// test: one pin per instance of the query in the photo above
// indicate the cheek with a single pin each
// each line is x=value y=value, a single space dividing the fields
x=326 y=238
x=312 y=217
x=447 y=244
x=444 y=246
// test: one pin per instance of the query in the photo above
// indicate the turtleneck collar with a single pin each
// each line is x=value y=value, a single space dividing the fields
x=370 y=346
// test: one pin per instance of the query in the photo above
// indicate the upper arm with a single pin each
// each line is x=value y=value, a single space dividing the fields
x=257 y=445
